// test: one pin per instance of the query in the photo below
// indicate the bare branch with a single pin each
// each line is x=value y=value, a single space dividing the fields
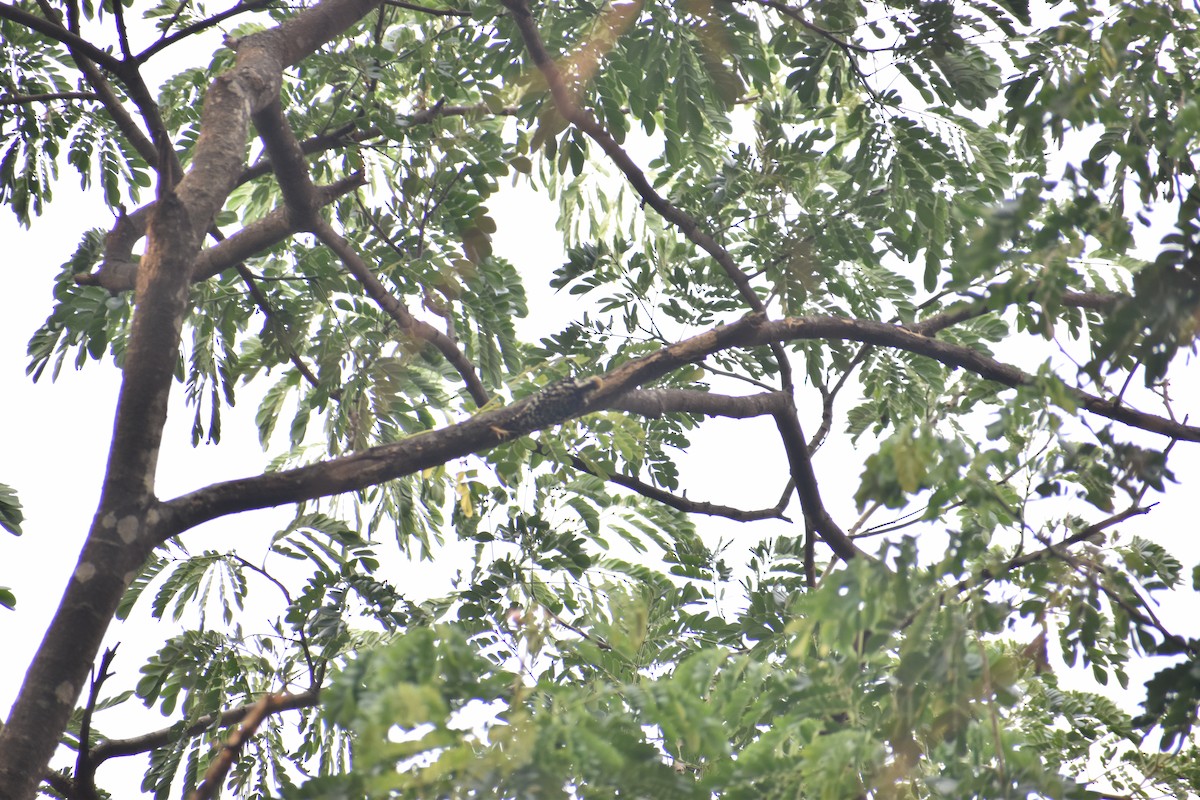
x=656 y=402
x=118 y=11
x=21 y=99
x=690 y=506
x=56 y=32
x=1096 y=301
x=302 y=201
x=115 y=748
x=816 y=517
x=85 y=764
x=118 y=273
x=828 y=396
x=490 y=428
x=437 y=12
x=125 y=526
x=221 y=764
x=200 y=25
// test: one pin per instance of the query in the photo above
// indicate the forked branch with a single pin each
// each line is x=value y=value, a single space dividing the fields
x=490 y=428
x=303 y=201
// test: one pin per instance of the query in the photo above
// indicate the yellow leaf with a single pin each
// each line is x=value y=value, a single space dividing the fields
x=465 y=504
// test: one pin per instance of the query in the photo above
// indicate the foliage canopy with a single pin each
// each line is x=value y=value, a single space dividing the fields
x=958 y=243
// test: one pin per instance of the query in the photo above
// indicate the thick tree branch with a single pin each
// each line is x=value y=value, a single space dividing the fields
x=432 y=448
x=490 y=428
x=816 y=517
x=302 y=201
x=656 y=402
x=118 y=273
x=952 y=355
x=221 y=764
x=126 y=524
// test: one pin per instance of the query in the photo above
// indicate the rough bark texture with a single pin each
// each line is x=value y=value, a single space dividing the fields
x=127 y=522
x=130 y=520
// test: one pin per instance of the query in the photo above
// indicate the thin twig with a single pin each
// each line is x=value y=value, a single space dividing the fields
x=196 y=27
x=20 y=99
x=437 y=12
x=85 y=764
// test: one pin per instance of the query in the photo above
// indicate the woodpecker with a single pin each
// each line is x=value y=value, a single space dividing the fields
x=557 y=402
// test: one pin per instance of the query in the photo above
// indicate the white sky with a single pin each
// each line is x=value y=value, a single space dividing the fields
x=55 y=437
x=54 y=440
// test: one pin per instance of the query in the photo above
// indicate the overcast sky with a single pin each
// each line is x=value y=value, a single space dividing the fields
x=54 y=441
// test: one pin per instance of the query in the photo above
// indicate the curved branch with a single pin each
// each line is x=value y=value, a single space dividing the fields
x=302 y=202
x=118 y=273
x=200 y=25
x=436 y=12
x=490 y=428
x=690 y=506
x=655 y=403
x=952 y=355
x=56 y=32
x=1095 y=301
x=115 y=748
